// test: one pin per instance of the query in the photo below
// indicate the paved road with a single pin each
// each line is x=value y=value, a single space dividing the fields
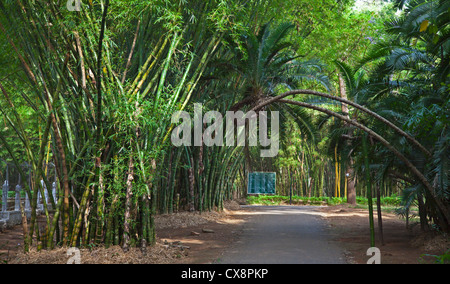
x=284 y=235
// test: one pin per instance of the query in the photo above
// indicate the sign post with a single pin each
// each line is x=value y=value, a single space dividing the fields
x=262 y=183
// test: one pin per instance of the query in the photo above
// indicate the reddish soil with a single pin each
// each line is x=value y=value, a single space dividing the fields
x=401 y=245
x=205 y=248
x=11 y=240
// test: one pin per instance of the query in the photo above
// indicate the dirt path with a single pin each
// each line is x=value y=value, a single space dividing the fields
x=343 y=229
x=284 y=235
x=193 y=238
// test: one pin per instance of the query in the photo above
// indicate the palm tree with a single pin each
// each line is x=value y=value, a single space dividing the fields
x=268 y=63
x=266 y=66
x=409 y=85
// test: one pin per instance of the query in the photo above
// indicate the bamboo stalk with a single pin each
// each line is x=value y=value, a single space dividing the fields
x=348 y=102
x=130 y=56
x=54 y=225
x=399 y=155
x=129 y=193
x=191 y=184
x=100 y=203
x=368 y=183
x=78 y=220
x=112 y=212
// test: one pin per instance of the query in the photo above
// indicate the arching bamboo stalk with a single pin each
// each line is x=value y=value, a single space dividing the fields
x=388 y=145
x=339 y=99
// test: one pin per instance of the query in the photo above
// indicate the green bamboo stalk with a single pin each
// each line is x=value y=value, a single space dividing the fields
x=172 y=179
x=369 y=190
x=99 y=72
x=388 y=145
x=152 y=226
x=145 y=222
x=145 y=70
x=348 y=102
x=211 y=176
x=201 y=181
x=200 y=70
x=110 y=222
x=115 y=199
x=191 y=181
x=100 y=203
x=54 y=225
x=175 y=41
x=181 y=85
x=79 y=219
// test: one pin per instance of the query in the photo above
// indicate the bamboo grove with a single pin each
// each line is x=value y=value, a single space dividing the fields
x=104 y=96
x=100 y=86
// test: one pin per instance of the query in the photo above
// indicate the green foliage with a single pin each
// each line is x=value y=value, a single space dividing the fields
x=393 y=201
x=405 y=79
x=439 y=259
x=296 y=200
x=109 y=119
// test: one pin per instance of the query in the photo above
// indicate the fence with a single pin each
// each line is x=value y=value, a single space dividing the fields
x=13 y=193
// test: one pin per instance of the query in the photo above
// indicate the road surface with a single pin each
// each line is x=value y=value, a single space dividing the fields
x=284 y=235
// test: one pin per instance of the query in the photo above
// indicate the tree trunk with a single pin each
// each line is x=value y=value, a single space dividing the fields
x=422 y=213
x=350 y=181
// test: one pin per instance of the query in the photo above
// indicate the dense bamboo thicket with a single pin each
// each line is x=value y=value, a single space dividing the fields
x=103 y=84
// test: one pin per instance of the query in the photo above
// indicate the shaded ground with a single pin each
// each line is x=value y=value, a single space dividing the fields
x=191 y=238
x=350 y=227
x=284 y=235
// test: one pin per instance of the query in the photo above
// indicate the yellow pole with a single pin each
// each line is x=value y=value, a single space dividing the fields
x=337 y=174
x=339 y=179
x=48 y=156
x=346 y=181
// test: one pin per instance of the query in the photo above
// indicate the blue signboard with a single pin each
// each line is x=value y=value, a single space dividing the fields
x=262 y=183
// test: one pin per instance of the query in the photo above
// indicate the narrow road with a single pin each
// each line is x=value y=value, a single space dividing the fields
x=284 y=235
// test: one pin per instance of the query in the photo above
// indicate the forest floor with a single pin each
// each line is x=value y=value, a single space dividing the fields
x=193 y=238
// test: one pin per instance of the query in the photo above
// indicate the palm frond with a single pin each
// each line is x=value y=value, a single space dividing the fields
x=404 y=58
x=441 y=165
x=347 y=73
